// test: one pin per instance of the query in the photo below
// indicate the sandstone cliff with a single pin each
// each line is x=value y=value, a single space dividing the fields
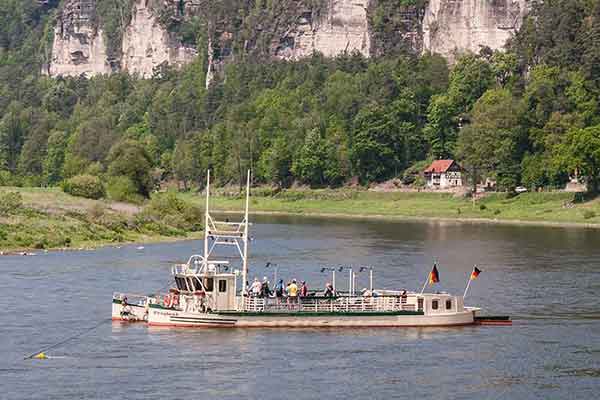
x=451 y=26
x=146 y=44
x=78 y=46
x=344 y=27
x=294 y=30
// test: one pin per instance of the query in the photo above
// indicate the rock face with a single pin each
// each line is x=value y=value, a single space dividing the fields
x=440 y=26
x=78 y=47
x=344 y=28
x=451 y=26
x=146 y=44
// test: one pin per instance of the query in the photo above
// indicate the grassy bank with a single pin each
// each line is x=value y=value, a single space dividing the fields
x=550 y=207
x=50 y=219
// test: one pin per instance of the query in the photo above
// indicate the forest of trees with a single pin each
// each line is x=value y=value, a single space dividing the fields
x=527 y=116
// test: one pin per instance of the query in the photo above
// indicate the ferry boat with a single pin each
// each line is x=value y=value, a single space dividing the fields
x=208 y=292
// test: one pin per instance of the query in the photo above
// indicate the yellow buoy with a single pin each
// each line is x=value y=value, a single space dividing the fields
x=41 y=356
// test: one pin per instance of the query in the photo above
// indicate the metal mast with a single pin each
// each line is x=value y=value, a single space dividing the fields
x=226 y=233
x=245 y=237
x=206 y=219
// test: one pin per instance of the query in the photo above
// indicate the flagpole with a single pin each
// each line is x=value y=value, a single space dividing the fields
x=424 y=285
x=469 y=282
x=467 y=288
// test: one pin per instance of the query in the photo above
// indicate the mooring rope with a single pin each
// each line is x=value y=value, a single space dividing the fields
x=55 y=345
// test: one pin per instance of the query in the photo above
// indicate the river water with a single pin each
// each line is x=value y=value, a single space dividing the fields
x=547 y=279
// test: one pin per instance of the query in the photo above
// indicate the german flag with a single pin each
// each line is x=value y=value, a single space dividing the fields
x=434 y=275
x=475 y=273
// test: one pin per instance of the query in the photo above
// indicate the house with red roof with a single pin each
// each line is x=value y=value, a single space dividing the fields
x=444 y=174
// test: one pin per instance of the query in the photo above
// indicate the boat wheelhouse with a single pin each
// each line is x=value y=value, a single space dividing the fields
x=209 y=292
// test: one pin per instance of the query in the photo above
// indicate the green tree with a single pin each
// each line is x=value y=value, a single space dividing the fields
x=183 y=163
x=491 y=143
x=129 y=158
x=376 y=152
x=275 y=163
x=441 y=129
x=13 y=131
x=55 y=157
x=316 y=162
x=582 y=152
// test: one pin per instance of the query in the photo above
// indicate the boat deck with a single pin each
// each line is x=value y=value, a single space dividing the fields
x=342 y=304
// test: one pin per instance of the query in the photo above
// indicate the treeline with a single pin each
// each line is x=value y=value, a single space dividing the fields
x=528 y=116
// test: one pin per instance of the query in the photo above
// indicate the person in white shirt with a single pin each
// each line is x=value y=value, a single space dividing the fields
x=256 y=287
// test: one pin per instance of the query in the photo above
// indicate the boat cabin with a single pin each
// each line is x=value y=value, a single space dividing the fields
x=206 y=288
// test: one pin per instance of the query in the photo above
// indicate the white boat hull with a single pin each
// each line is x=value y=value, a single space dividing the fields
x=129 y=312
x=174 y=318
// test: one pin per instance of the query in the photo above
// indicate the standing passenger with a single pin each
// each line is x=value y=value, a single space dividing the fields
x=256 y=287
x=329 y=292
x=265 y=291
x=303 y=289
x=292 y=291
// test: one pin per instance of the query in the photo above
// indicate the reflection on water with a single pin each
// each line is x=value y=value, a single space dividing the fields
x=546 y=278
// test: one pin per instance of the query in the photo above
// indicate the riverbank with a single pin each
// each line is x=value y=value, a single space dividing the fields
x=548 y=208
x=49 y=219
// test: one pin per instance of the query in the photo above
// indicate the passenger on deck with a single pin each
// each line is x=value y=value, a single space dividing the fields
x=303 y=289
x=265 y=291
x=292 y=292
x=329 y=291
x=256 y=288
x=279 y=290
x=403 y=297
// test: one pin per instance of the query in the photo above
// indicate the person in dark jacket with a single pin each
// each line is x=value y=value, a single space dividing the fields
x=265 y=290
x=279 y=288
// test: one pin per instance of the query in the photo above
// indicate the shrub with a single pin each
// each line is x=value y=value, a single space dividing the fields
x=10 y=202
x=87 y=186
x=482 y=207
x=589 y=214
x=121 y=188
x=8 y=179
x=496 y=211
x=171 y=210
x=414 y=172
x=3 y=234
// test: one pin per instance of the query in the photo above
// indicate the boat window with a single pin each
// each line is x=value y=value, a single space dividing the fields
x=434 y=304
x=448 y=304
x=222 y=286
x=197 y=284
x=209 y=284
x=420 y=303
x=180 y=283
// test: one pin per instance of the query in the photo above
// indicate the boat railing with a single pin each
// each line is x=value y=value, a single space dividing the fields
x=131 y=298
x=329 y=304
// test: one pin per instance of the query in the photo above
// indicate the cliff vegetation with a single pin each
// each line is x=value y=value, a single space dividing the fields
x=528 y=116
